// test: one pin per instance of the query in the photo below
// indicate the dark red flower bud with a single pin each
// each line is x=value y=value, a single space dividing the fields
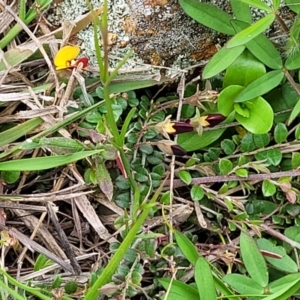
x=181 y=127
x=170 y=147
x=83 y=60
x=213 y=119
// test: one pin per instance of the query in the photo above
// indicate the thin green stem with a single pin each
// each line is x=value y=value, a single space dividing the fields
x=127 y=168
x=104 y=33
x=109 y=270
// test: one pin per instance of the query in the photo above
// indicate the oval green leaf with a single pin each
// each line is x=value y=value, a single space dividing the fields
x=197 y=192
x=187 y=247
x=268 y=188
x=185 y=176
x=260 y=86
x=285 y=264
x=251 y=32
x=204 y=280
x=243 y=284
x=280 y=133
x=191 y=141
x=245 y=69
x=253 y=260
x=226 y=97
x=221 y=60
x=260 y=118
x=208 y=15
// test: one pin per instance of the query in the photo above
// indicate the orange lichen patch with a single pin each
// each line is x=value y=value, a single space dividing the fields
x=64 y=57
x=123 y=44
x=155 y=59
x=206 y=52
x=154 y=3
x=129 y=25
x=111 y=38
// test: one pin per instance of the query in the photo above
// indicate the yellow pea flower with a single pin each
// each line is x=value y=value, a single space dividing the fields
x=64 y=57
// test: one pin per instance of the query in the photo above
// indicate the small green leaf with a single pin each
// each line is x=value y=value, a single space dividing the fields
x=295 y=112
x=241 y=172
x=225 y=166
x=191 y=141
x=10 y=176
x=204 y=280
x=258 y=4
x=147 y=149
x=251 y=32
x=165 y=198
x=221 y=61
x=247 y=143
x=241 y=110
x=243 y=284
x=185 y=176
x=197 y=192
x=208 y=15
x=280 y=133
x=104 y=180
x=295 y=160
x=71 y=287
x=228 y=146
x=187 y=247
x=260 y=86
x=260 y=118
x=261 y=140
x=236 y=74
x=274 y=156
x=268 y=188
x=293 y=61
x=241 y=10
x=42 y=262
x=225 y=100
x=141 y=175
x=285 y=264
x=253 y=260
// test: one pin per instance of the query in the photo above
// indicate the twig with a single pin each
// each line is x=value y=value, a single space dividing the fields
x=63 y=239
x=223 y=178
x=280 y=236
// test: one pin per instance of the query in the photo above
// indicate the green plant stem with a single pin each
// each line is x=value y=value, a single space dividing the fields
x=104 y=33
x=12 y=292
x=109 y=270
x=127 y=168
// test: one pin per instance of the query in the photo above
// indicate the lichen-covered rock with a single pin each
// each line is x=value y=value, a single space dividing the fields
x=158 y=31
